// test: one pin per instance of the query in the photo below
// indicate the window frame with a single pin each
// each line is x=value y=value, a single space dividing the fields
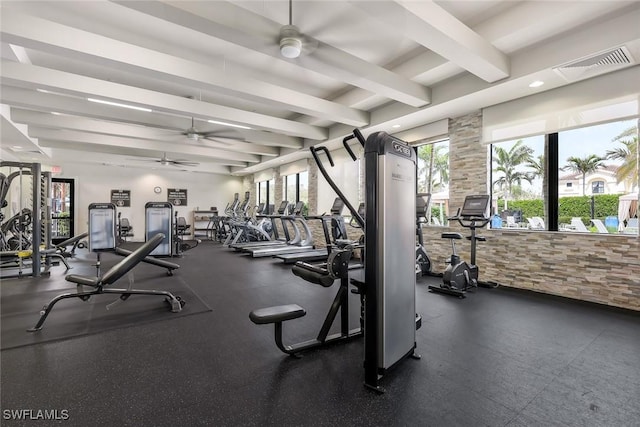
x=285 y=186
x=435 y=221
x=550 y=185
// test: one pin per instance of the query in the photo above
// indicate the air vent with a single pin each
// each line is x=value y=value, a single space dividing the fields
x=601 y=63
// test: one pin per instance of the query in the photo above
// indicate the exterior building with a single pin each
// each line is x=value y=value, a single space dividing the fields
x=602 y=181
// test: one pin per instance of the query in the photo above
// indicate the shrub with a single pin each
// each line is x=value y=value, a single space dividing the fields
x=579 y=206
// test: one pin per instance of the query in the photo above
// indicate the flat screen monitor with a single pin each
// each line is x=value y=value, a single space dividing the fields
x=475 y=205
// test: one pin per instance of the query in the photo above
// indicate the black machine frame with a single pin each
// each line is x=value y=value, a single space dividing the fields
x=388 y=340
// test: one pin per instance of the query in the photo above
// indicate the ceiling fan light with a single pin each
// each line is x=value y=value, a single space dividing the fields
x=290 y=47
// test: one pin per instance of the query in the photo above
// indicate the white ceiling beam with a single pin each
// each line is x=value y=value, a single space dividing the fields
x=326 y=60
x=159 y=146
x=64 y=41
x=505 y=31
x=467 y=93
x=120 y=158
x=271 y=139
x=436 y=29
x=50 y=121
x=34 y=77
x=49 y=102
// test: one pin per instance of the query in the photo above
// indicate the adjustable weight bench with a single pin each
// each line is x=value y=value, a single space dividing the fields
x=170 y=266
x=61 y=247
x=100 y=284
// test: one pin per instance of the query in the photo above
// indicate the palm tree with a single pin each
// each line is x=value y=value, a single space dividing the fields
x=628 y=153
x=507 y=163
x=584 y=166
x=537 y=164
x=441 y=167
x=436 y=165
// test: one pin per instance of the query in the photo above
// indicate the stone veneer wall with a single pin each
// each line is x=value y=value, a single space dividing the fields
x=596 y=268
x=277 y=189
x=248 y=185
x=590 y=267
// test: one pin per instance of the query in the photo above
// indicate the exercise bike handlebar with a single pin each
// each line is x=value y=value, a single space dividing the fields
x=469 y=221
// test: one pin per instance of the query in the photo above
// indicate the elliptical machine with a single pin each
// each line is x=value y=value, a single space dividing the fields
x=459 y=275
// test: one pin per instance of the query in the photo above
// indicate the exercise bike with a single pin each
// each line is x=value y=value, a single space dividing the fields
x=460 y=275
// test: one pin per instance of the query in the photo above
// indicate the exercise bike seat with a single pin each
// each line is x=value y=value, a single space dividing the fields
x=456 y=236
x=478 y=238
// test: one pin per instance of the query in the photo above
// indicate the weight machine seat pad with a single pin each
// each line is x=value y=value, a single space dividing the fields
x=313 y=274
x=478 y=238
x=276 y=314
x=456 y=236
x=83 y=280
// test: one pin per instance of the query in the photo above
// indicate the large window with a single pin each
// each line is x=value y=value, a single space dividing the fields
x=517 y=175
x=583 y=186
x=433 y=178
x=296 y=188
x=264 y=191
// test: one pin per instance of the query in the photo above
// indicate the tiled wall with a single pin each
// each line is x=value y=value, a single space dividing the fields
x=589 y=267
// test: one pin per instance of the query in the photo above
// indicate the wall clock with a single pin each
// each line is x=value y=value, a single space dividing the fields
x=157 y=190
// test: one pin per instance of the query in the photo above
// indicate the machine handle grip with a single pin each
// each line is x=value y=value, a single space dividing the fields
x=346 y=146
x=314 y=151
x=358 y=135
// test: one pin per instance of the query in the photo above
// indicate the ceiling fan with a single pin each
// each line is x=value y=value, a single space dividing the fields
x=164 y=160
x=292 y=42
x=194 y=134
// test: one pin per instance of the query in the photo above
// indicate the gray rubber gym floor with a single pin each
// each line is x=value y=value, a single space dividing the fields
x=500 y=357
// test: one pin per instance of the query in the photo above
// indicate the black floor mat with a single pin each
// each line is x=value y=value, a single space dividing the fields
x=23 y=299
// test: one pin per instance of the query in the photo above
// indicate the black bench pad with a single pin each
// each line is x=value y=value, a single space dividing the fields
x=83 y=280
x=275 y=314
x=451 y=236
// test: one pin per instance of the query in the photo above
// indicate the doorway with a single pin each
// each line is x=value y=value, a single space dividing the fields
x=62 y=209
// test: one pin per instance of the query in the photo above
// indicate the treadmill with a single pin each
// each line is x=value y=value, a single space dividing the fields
x=296 y=244
x=277 y=240
x=321 y=254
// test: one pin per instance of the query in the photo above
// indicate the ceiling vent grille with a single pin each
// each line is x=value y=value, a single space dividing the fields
x=601 y=63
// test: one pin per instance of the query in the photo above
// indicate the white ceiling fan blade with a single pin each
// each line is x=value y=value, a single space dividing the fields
x=182 y=162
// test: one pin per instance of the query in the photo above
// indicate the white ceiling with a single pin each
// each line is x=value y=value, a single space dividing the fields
x=366 y=64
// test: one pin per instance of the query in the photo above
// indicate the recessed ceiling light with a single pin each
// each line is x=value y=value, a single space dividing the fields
x=117 y=104
x=395 y=126
x=55 y=113
x=216 y=122
x=536 y=83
